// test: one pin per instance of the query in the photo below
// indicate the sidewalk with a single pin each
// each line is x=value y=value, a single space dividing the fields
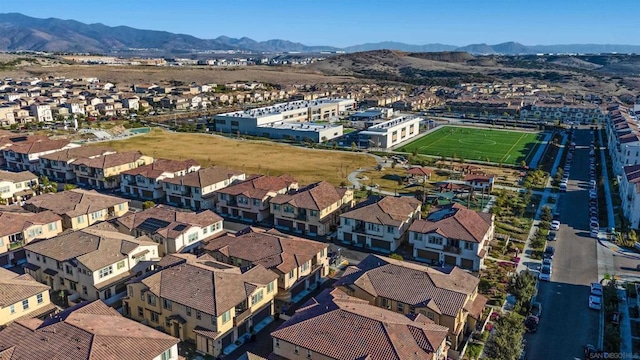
x=541 y=149
x=611 y=221
x=526 y=263
x=625 y=324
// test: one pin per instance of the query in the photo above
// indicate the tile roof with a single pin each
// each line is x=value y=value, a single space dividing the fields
x=421 y=171
x=317 y=196
x=160 y=166
x=389 y=210
x=91 y=331
x=16 y=288
x=93 y=247
x=74 y=202
x=38 y=146
x=271 y=249
x=443 y=292
x=632 y=173
x=205 y=177
x=110 y=160
x=166 y=221
x=77 y=153
x=15 y=222
x=258 y=186
x=455 y=222
x=17 y=176
x=205 y=284
x=345 y=328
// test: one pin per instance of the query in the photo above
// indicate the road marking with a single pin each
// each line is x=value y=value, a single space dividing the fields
x=512 y=146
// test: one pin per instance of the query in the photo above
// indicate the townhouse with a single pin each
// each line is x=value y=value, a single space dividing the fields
x=300 y=264
x=79 y=208
x=22 y=298
x=16 y=186
x=87 y=331
x=18 y=228
x=357 y=330
x=379 y=223
x=249 y=199
x=553 y=110
x=90 y=264
x=197 y=190
x=25 y=156
x=103 y=172
x=8 y=139
x=313 y=209
x=176 y=231
x=41 y=111
x=623 y=137
x=145 y=182
x=58 y=166
x=453 y=235
x=199 y=300
x=447 y=295
x=630 y=194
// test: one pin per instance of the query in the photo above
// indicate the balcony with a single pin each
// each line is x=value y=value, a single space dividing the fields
x=452 y=249
x=301 y=217
x=16 y=244
x=241 y=317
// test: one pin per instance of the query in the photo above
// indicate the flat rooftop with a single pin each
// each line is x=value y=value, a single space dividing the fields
x=394 y=122
x=282 y=107
x=303 y=126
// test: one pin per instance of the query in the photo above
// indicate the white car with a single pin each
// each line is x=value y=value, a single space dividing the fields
x=545 y=273
x=595 y=233
x=595 y=302
x=596 y=289
x=555 y=225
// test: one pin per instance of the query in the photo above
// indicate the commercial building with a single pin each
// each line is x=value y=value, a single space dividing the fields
x=390 y=133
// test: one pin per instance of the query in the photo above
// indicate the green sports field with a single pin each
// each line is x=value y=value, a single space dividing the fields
x=498 y=146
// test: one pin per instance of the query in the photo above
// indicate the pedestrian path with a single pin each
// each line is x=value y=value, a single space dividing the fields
x=625 y=324
x=533 y=164
x=611 y=221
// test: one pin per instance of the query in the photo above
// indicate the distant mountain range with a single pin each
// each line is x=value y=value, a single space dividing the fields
x=20 y=32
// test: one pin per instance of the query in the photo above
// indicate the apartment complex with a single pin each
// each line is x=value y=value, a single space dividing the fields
x=90 y=264
x=25 y=156
x=200 y=300
x=357 y=330
x=453 y=235
x=390 y=133
x=18 y=228
x=103 y=172
x=16 y=186
x=197 y=190
x=562 y=111
x=89 y=331
x=58 y=166
x=312 y=210
x=446 y=295
x=145 y=182
x=249 y=199
x=292 y=120
x=299 y=263
x=79 y=208
x=176 y=231
x=379 y=223
x=22 y=297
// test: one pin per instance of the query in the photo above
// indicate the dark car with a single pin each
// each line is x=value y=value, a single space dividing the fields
x=536 y=309
x=553 y=236
x=531 y=323
x=556 y=216
x=548 y=252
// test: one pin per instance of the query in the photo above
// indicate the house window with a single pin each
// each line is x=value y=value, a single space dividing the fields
x=96 y=215
x=276 y=207
x=270 y=288
x=25 y=304
x=430 y=315
x=205 y=230
x=304 y=267
x=130 y=291
x=193 y=237
x=468 y=245
x=309 y=354
x=291 y=274
x=62 y=281
x=296 y=349
x=154 y=317
x=68 y=270
x=12 y=309
x=390 y=229
x=80 y=219
x=212 y=227
x=166 y=304
x=226 y=316
x=120 y=207
x=277 y=343
x=256 y=202
x=84 y=290
x=435 y=240
x=257 y=297
x=73 y=285
x=288 y=209
x=385 y=303
x=314 y=213
x=167 y=322
x=188 y=311
x=142 y=295
x=105 y=272
x=198 y=315
x=347 y=222
x=53 y=226
x=166 y=355
x=120 y=265
x=34 y=232
x=151 y=299
x=400 y=307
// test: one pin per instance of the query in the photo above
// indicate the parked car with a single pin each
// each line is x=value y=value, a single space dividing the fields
x=594 y=233
x=596 y=289
x=555 y=225
x=552 y=236
x=536 y=309
x=595 y=302
x=594 y=225
x=531 y=323
x=545 y=273
x=546 y=262
x=549 y=251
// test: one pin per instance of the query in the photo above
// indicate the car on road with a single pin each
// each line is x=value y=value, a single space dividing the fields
x=593 y=219
x=536 y=309
x=549 y=252
x=546 y=262
x=594 y=225
x=594 y=233
x=531 y=323
x=595 y=302
x=555 y=225
x=545 y=273
x=552 y=236
x=596 y=289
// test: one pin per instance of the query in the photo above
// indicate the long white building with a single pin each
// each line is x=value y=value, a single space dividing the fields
x=390 y=133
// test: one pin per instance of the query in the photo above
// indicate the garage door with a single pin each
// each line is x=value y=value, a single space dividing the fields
x=426 y=254
x=449 y=260
x=362 y=239
x=301 y=227
x=380 y=244
x=313 y=229
x=261 y=315
x=227 y=340
x=466 y=264
x=250 y=215
x=285 y=223
x=347 y=236
x=4 y=260
x=298 y=288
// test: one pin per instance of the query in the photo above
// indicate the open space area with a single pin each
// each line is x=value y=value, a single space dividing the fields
x=492 y=145
x=306 y=165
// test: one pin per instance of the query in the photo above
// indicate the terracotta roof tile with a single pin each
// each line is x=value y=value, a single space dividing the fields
x=14 y=222
x=73 y=202
x=456 y=222
x=77 y=153
x=160 y=166
x=38 y=146
x=316 y=196
x=258 y=186
x=17 y=287
x=167 y=221
x=389 y=210
x=17 y=176
x=205 y=177
x=110 y=160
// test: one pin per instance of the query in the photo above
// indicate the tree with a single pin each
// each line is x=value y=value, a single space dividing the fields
x=523 y=286
x=396 y=256
x=148 y=205
x=69 y=187
x=506 y=341
x=353 y=145
x=546 y=215
x=47 y=186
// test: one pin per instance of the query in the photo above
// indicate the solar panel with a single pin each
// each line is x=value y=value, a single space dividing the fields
x=152 y=225
x=180 y=227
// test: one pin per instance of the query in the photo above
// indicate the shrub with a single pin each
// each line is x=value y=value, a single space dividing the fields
x=148 y=205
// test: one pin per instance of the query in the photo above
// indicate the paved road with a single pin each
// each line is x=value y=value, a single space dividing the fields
x=567 y=324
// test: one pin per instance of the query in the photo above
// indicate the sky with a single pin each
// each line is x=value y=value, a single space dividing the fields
x=350 y=22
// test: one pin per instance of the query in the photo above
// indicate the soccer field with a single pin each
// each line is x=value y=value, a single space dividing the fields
x=498 y=146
